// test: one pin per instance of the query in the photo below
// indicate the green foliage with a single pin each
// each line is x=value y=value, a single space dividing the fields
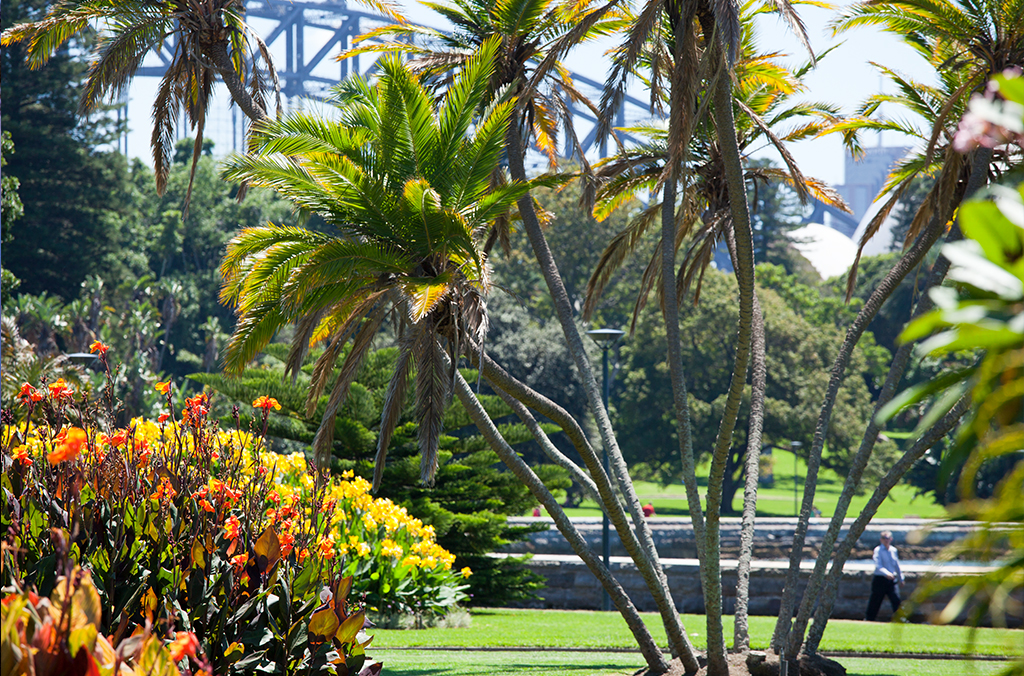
x=798 y=356
x=984 y=312
x=470 y=498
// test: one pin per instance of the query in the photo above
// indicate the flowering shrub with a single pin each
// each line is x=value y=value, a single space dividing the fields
x=185 y=527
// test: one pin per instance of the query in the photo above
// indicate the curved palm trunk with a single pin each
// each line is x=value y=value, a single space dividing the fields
x=673 y=626
x=516 y=392
x=906 y=461
x=863 y=455
x=729 y=147
x=217 y=52
x=652 y=654
x=556 y=456
x=909 y=261
x=758 y=378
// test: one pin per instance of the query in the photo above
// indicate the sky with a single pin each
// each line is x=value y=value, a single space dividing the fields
x=845 y=78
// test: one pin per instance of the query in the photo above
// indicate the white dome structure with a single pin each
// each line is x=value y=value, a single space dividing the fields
x=881 y=243
x=829 y=251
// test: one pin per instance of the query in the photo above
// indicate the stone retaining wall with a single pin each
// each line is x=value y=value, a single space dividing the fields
x=571 y=585
x=673 y=536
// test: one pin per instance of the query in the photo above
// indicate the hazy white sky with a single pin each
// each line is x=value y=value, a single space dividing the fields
x=845 y=78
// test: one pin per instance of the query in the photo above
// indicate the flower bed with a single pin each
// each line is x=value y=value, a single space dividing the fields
x=186 y=530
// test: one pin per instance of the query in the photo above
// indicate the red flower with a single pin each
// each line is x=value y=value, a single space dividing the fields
x=205 y=504
x=69 y=445
x=163 y=388
x=29 y=394
x=162 y=418
x=98 y=348
x=117 y=440
x=287 y=543
x=185 y=645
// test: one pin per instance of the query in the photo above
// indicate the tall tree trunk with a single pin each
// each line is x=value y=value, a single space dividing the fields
x=909 y=261
x=758 y=378
x=648 y=648
x=827 y=598
x=863 y=455
x=729 y=147
x=670 y=617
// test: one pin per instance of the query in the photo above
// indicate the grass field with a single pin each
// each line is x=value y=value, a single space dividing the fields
x=778 y=500
x=502 y=627
x=451 y=663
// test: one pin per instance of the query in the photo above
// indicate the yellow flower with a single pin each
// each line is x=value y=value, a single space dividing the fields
x=466 y=572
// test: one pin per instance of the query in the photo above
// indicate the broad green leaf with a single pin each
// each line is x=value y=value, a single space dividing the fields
x=323 y=625
x=82 y=637
x=350 y=627
x=155 y=659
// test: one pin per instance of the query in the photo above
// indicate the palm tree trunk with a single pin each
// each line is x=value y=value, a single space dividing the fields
x=556 y=456
x=758 y=377
x=675 y=367
x=863 y=455
x=827 y=598
x=217 y=52
x=728 y=145
x=563 y=309
x=516 y=390
x=909 y=261
x=648 y=648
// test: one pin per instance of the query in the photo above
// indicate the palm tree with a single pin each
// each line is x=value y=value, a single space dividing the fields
x=704 y=218
x=210 y=40
x=535 y=35
x=410 y=196
x=413 y=200
x=967 y=43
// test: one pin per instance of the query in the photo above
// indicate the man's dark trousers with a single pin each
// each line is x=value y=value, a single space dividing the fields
x=881 y=586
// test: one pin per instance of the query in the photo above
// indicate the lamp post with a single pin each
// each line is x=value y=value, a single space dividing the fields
x=605 y=339
x=794 y=446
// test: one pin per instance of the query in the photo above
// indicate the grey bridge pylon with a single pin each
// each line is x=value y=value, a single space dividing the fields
x=330 y=26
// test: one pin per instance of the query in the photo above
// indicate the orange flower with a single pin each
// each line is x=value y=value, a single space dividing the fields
x=239 y=562
x=164 y=491
x=69 y=445
x=29 y=394
x=163 y=388
x=326 y=546
x=205 y=504
x=98 y=348
x=266 y=403
x=184 y=645
x=117 y=440
x=61 y=390
x=303 y=553
x=21 y=455
x=143 y=458
x=231 y=527
x=274 y=497
x=162 y=418
x=287 y=543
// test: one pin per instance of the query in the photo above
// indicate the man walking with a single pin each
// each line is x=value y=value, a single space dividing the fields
x=887 y=577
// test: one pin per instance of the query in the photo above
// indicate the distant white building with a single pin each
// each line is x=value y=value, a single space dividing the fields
x=866 y=176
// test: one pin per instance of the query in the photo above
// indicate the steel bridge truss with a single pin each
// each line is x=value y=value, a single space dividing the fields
x=297 y=28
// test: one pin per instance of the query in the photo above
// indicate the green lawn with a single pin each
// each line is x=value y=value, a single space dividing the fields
x=778 y=500
x=453 y=663
x=502 y=627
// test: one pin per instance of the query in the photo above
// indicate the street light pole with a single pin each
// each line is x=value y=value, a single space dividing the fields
x=605 y=338
x=793 y=446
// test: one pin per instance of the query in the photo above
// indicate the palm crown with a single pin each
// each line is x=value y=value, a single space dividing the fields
x=411 y=195
x=765 y=113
